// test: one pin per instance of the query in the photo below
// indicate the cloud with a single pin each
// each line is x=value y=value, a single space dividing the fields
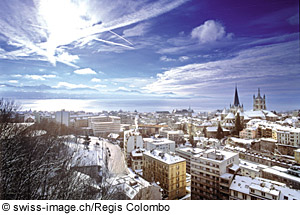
x=95 y=80
x=294 y=20
x=252 y=67
x=39 y=77
x=166 y=59
x=16 y=76
x=13 y=81
x=210 y=31
x=183 y=58
x=85 y=71
x=49 y=31
x=138 y=30
x=100 y=86
x=70 y=86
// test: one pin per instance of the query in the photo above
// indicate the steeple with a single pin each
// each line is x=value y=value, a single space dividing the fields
x=236 y=98
x=258 y=94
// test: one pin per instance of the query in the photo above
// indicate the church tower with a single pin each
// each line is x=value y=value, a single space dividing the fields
x=236 y=103
x=259 y=103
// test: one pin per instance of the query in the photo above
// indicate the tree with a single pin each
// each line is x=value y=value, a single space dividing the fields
x=191 y=140
x=87 y=141
x=220 y=133
x=36 y=165
x=238 y=126
x=204 y=131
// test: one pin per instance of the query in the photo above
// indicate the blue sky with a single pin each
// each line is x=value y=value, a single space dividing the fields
x=151 y=55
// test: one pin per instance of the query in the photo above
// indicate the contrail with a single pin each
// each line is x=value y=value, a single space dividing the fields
x=121 y=37
x=113 y=43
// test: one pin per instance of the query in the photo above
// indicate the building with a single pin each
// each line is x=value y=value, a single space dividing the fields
x=133 y=187
x=290 y=176
x=249 y=133
x=169 y=170
x=212 y=172
x=132 y=141
x=246 y=188
x=251 y=169
x=161 y=144
x=136 y=159
x=104 y=125
x=259 y=103
x=176 y=136
x=187 y=153
x=236 y=103
x=62 y=117
x=297 y=155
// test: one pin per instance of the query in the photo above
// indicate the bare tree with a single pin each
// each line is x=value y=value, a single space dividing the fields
x=37 y=165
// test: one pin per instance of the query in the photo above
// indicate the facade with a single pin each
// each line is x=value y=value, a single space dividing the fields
x=259 y=103
x=186 y=153
x=169 y=170
x=212 y=172
x=297 y=155
x=136 y=159
x=291 y=176
x=104 y=125
x=62 y=117
x=161 y=144
x=249 y=133
x=132 y=140
x=176 y=136
x=246 y=188
x=251 y=169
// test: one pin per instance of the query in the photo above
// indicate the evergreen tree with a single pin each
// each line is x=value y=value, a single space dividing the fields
x=220 y=133
x=238 y=126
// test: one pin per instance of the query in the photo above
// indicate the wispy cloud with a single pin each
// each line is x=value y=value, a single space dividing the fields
x=252 y=66
x=95 y=80
x=39 y=77
x=47 y=30
x=85 y=71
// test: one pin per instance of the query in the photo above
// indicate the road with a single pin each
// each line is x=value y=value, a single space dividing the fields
x=116 y=162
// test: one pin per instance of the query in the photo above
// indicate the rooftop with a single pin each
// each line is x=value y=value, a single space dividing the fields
x=164 y=157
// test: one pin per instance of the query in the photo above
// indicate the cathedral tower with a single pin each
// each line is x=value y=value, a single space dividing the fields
x=259 y=103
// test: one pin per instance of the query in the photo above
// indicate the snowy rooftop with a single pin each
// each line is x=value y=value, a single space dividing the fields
x=158 y=141
x=251 y=166
x=240 y=140
x=243 y=184
x=130 y=184
x=282 y=172
x=164 y=157
x=215 y=155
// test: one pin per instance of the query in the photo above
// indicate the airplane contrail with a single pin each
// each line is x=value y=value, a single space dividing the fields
x=121 y=37
x=113 y=43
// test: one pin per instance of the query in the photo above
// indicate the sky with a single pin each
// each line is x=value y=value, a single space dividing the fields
x=149 y=55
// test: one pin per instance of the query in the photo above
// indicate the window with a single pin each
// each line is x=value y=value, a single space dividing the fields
x=285 y=198
x=263 y=193
x=235 y=193
x=274 y=197
x=252 y=191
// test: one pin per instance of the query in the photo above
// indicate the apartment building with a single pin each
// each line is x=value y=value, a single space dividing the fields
x=161 y=144
x=246 y=188
x=167 y=169
x=187 y=153
x=212 y=172
x=289 y=176
x=104 y=125
x=132 y=140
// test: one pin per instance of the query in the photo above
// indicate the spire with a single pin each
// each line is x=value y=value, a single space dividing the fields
x=258 y=95
x=236 y=97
